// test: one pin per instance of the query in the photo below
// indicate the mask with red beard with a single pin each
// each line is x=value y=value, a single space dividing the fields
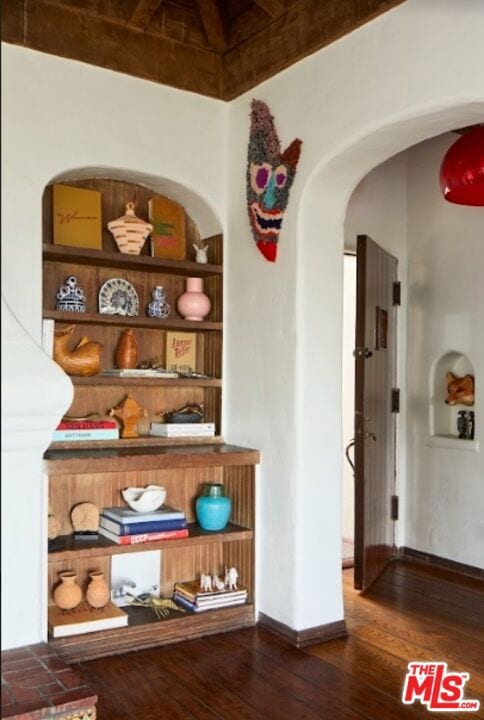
x=270 y=175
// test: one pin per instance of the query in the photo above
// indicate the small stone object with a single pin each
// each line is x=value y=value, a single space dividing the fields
x=462 y=424
x=129 y=412
x=67 y=594
x=231 y=577
x=70 y=297
x=158 y=307
x=85 y=518
x=205 y=583
x=471 y=426
x=98 y=592
x=127 y=350
x=201 y=254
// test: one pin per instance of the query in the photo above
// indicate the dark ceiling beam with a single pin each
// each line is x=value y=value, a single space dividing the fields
x=305 y=27
x=142 y=14
x=213 y=24
x=274 y=8
x=96 y=41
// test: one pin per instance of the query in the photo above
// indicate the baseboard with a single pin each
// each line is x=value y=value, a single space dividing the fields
x=407 y=553
x=301 y=638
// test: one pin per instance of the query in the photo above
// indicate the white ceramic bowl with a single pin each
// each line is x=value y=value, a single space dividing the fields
x=145 y=499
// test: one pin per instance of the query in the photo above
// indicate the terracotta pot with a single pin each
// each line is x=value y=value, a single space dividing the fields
x=98 y=592
x=67 y=594
x=194 y=304
x=127 y=351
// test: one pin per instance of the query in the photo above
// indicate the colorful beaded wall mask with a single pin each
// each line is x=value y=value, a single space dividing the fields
x=270 y=175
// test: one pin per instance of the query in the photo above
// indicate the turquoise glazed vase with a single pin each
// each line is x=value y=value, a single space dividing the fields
x=213 y=507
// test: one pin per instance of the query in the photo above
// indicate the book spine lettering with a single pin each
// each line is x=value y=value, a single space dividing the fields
x=142 y=527
x=145 y=537
x=88 y=425
x=63 y=435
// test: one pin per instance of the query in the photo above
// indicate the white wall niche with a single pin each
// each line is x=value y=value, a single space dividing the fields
x=443 y=417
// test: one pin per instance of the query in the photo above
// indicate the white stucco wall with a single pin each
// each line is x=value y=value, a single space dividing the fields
x=445 y=486
x=354 y=104
x=60 y=115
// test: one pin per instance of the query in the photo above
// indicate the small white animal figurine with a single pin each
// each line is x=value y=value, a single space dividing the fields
x=205 y=583
x=218 y=583
x=231 y=576
x=201 y=254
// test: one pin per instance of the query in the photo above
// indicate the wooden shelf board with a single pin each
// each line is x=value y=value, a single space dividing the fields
x=152 y=457
x=141 y=263
x=143 y=441
x=146 y=631
x=140 y=321
x=154 y=381
x=74 y=549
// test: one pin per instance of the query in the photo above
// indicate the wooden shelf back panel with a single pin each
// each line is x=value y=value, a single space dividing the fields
x=61 y=462
x=76 y=551
x=153 y=633
x=134 y=322
x=115 y=194
x=187 y=563
x=104 y=489
x=241 y=556
x=91 y=278
x=86 y=256
x=240 y=487
x=104 y=397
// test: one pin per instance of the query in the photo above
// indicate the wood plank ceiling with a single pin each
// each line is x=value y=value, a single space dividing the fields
x=219 y=48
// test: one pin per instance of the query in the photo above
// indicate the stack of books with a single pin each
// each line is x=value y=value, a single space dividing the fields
x=128 y=527
x=173 y=430
x=140 y=373
x=74 y=430
x=190 y=596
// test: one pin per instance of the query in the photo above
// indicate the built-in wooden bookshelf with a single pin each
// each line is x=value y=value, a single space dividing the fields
x=97 y=471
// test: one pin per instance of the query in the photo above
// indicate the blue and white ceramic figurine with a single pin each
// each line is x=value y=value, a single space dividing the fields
x=158 y=308
x=70 y=297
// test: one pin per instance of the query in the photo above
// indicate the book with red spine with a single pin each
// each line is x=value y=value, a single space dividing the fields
x=87 y=425
x=143 y=537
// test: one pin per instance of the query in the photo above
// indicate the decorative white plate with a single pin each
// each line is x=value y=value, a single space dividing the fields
x=118 y=297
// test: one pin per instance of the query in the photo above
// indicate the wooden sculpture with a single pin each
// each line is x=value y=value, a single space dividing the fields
x=460 y=390
x=83 y=360
x=130 y=413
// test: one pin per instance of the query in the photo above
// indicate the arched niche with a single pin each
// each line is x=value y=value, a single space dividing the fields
x=443 y=417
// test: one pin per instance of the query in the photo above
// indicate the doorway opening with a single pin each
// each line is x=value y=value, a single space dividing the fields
x=348 y=400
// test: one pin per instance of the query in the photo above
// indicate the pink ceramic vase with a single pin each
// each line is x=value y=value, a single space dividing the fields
x=194 y=304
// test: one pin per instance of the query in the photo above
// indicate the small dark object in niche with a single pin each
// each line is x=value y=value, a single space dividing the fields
x=471 y=426
x=462 y=424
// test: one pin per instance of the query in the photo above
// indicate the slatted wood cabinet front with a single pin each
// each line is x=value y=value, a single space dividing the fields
x=96 y=471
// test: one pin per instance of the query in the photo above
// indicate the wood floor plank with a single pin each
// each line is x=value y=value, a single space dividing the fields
x=413 y=612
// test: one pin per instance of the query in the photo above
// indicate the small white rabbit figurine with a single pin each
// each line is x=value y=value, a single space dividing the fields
x=201 y=254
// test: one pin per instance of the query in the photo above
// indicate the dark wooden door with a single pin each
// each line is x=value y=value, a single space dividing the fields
x=375 y=421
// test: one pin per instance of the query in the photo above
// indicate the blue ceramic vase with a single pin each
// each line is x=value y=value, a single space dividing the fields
x=213 y=507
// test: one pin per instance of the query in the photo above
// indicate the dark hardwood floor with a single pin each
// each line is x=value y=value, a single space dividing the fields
x=413 y=612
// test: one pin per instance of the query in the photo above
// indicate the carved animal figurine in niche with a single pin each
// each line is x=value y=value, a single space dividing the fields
x=127 y=351
x=130 y=413
x=84 y=360
x=460 y=390
x=200 y=253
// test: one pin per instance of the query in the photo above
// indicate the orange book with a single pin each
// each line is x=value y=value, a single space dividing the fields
x=77 y=217
x=168 y=236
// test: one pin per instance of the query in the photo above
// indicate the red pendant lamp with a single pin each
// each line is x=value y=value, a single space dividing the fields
x=462 y=169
